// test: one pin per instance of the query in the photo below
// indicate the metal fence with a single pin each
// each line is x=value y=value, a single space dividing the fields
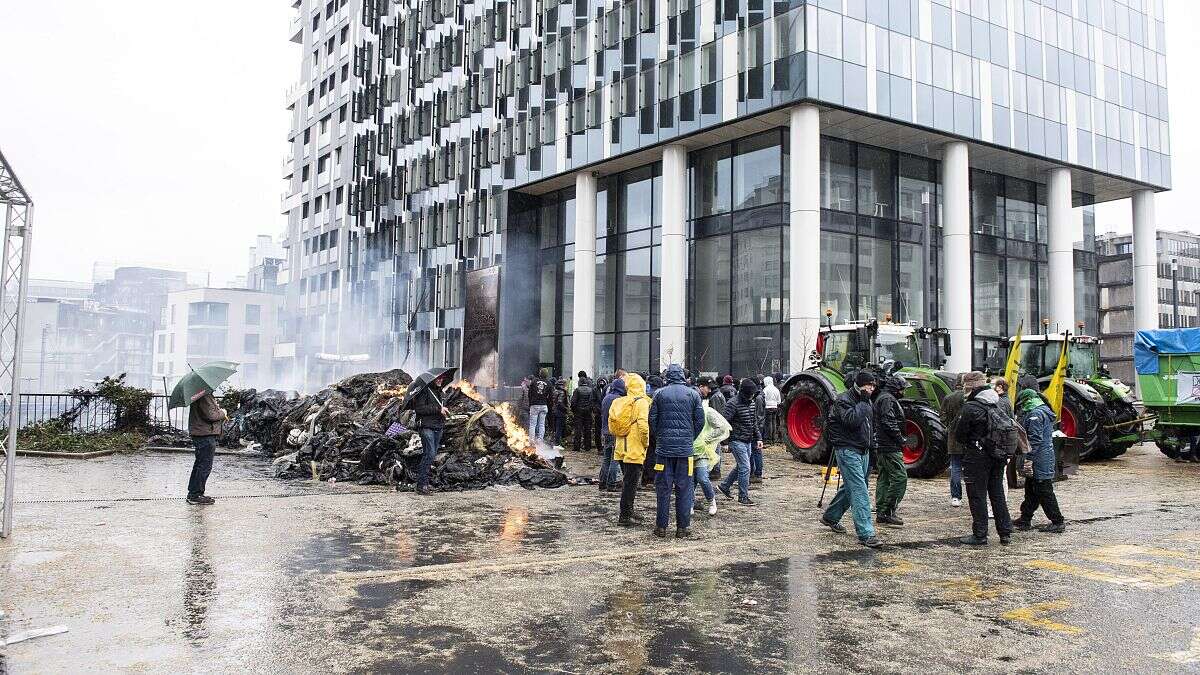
x=96 y=415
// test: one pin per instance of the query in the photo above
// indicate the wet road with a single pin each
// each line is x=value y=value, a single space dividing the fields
x=297 y=576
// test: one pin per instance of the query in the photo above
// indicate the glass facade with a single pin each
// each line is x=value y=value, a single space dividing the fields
x=462 y=107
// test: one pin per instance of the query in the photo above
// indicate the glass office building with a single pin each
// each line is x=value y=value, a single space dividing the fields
x=670 y=181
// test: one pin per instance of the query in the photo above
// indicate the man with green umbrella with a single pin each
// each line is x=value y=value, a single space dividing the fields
x=205 y=419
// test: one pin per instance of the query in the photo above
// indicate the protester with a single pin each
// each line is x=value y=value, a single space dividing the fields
x=1038 y=420
x=649 y=467
x=980 y=426
x=704 y=452
x=1013 y=469
x=1004 y=404
x=848 y=432
x=205 y=419
x=744 y=435
x=629 y=423
x=889 y=444
x=558 y=411
x=951 y=410
x=610 y=469
x=772 y=399
x=583 y=407
x=716 y=400
x=540 y=395
x=728 y=390
x=760 y=413
x=676 y=420
x=431 y=417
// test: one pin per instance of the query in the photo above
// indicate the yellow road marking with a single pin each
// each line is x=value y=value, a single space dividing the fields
x=1032 y=615
x=1097 y=575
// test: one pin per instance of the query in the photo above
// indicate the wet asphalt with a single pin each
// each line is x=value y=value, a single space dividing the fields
x=296 y=576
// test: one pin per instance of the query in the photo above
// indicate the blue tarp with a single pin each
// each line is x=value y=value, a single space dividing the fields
x=1148 y=344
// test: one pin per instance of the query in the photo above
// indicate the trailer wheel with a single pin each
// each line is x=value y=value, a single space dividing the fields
x=924 y=440
x=1169 y=441
x=1118 y=412
x=804 y=410
x=1081 y=419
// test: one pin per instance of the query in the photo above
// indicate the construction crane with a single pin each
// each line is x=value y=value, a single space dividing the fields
x=16 y=206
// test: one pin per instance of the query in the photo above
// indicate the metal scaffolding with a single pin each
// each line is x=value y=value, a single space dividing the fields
x=17 y=207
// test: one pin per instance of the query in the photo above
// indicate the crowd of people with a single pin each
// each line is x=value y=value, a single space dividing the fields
x=670 y=431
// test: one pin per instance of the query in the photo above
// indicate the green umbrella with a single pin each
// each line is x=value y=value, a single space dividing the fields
x=200 y=381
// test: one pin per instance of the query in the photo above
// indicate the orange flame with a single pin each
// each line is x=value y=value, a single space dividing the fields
x=470 y=390
x=514 y=433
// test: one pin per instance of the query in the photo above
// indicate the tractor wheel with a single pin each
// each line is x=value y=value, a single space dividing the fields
x=1080 y=419
x=1118 y=411
x=924 y=440
x=1169 y=441
x=804 y=410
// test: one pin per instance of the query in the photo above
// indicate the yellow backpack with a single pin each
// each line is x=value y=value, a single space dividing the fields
x=622 y=415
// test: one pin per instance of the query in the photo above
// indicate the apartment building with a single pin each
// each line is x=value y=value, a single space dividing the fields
x=218 y=324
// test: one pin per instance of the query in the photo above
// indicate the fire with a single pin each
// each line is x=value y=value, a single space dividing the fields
x=470 y=390
x=515 y=434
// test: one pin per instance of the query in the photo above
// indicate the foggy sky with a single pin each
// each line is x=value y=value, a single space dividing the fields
x=155 y=131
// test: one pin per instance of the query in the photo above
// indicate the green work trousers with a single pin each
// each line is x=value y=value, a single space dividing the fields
x=893 y=480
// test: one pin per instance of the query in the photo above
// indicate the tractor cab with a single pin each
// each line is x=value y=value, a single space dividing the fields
x=1039 y=355
x=849 y=347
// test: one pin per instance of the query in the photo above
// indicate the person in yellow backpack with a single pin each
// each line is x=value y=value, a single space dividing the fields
x=629 y=423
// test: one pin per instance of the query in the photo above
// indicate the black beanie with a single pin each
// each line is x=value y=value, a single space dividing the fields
x=863 y=378
x=582 y=374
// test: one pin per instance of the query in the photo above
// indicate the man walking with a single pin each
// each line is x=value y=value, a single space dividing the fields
x=1038 y=420
x=205 y=418
x=889 y=444
x=676 y=420
x=760 y=414
x=629 y=423
x=716 y=400
x=583 y=407
x=540 y=395
x=848 y=430
x=431 y=420
x=983 y=431
x=951 y=410
x=745 y=434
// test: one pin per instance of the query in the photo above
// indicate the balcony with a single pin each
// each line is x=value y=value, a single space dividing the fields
x=287 y=202
x=290 y=95
x=296 y=30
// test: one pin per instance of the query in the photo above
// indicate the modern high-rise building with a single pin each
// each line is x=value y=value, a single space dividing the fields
x=656 y=181
x=317 y=172
x=1176 y=300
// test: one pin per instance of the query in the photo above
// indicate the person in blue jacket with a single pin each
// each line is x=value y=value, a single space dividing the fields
x=1038 y=420
x=676 y=420
x=610 y=470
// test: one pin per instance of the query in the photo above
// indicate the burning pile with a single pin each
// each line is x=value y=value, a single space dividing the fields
x=356 y=430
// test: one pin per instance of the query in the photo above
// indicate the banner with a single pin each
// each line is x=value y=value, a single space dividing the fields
x=481 y=328
x=1187 y=388
x=1012 y=368
x=1054 y=392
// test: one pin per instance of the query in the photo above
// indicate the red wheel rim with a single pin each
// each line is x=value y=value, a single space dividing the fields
x=802 y=422
x=914 y=442
x=1068 y=422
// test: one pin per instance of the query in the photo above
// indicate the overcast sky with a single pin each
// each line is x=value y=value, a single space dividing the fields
x=153 y=132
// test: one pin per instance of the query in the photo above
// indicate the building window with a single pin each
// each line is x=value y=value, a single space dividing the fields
x=208 y=313
x=253 y=315
x=250 y=343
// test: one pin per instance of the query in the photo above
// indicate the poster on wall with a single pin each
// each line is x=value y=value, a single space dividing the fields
x=481 y=328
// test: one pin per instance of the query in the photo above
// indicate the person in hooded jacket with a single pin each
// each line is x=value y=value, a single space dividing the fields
x=848 y=430
x=984 y=474
x=889 y=446
x=557 y=417
x=1038 y=420
x=629 y=423
x=583 y=407
x=728 y=389
x=950 y=412
x=540 y=395
x=676 y=420
x=746 y=434
x=704 y=452
x=756 y=455
x=771 y=399
x=711 y=393
x=610 y=469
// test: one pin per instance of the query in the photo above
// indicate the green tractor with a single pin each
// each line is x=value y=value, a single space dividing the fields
x=1097 y=408
x=1168 y=370
x=843 y=350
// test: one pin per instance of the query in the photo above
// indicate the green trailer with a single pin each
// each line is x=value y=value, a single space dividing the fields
x=843 y=350
x=1168 y=370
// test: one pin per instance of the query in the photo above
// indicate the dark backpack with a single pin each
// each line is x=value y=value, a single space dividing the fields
x=1002 y=438
x=587 y=397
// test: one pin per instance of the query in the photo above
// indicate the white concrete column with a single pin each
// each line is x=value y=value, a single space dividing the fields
x=672 y=318
x=1145 y=262
x=956 y=254
x=583 y=322
x=1060 y=270
x=804 y=234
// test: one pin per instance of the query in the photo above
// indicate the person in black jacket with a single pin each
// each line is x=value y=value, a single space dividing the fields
x=583 y=406
x=889 y=444
x=848 y=431
x=983 y=474
x=431 y=419
x=746 y=434
x=541 y=393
